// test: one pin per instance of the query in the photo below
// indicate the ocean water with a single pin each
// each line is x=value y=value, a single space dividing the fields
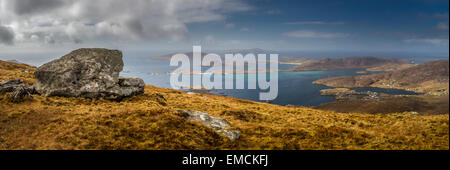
x=294 y=88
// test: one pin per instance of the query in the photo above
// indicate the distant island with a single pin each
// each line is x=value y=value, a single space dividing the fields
x=430 y=78
x=169 y=56
x=281 y=59
x=374 y=63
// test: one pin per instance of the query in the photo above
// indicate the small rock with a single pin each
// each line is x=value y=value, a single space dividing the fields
x=415 y=113
x=131 y=86
x=218 y=124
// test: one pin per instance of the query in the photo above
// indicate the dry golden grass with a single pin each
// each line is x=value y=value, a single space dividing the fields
x=10 y=71
x=424 y=105
x=147 y=122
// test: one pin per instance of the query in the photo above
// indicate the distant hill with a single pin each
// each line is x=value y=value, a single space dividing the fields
x=220 y=52
x=246 y=51
x=347 y=63
x=292 y=60
x=430 y=78
x=169 y=56
x=14 y=61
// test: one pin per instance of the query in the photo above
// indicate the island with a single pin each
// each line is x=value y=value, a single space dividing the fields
x=370 y=63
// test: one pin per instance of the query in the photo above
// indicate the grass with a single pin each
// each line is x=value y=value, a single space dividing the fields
x=151 y=122
x=10 y=71
x=425 y=105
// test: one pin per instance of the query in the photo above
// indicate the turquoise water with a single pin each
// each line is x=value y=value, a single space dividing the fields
x=295 y=88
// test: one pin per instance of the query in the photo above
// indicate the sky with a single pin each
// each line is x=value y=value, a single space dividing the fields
x=41 y=27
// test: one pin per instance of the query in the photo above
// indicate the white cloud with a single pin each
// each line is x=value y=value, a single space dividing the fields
x=435 y=41
x=314 y=34
x=314 y=23
x=442 y=26
x=230 y=25
x=54 y=21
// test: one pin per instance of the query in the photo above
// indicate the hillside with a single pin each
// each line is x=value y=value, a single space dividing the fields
x=152 y=122
x=431 y=78
x=292 y=60
x=347 y=63
x=13 y=70
x=423 y=105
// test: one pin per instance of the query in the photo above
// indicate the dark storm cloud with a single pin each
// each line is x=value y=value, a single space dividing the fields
x=99 y=21
x=6 y=35
x=23 y=7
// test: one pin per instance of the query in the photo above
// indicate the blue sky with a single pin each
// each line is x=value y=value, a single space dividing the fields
x=43 y=27
x=360 y=25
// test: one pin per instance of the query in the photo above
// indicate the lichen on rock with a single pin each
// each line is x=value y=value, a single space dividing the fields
x=218 y=124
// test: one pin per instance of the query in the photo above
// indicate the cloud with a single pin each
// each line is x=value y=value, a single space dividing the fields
x=209 y=38
x=6 y=35
x=230 y=25
x=78 y=21
x=314 y=34
x=25 y=7
x=314 y=23
x=442 y=26
x=435 y=41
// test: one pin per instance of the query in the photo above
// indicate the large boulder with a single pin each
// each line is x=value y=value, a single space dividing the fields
x=90 y=73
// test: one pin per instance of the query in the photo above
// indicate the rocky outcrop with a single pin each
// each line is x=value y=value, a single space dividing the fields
x=90 y=73
x=20 y=94
x=10 y=85
x=220 y=125
x=20 y=89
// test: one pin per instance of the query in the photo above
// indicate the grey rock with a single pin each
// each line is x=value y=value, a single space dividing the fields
x=220 y=125
x=131 y=86
x=90 y=73
x=20 y=90
x=20 y=94
x=11 y=85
